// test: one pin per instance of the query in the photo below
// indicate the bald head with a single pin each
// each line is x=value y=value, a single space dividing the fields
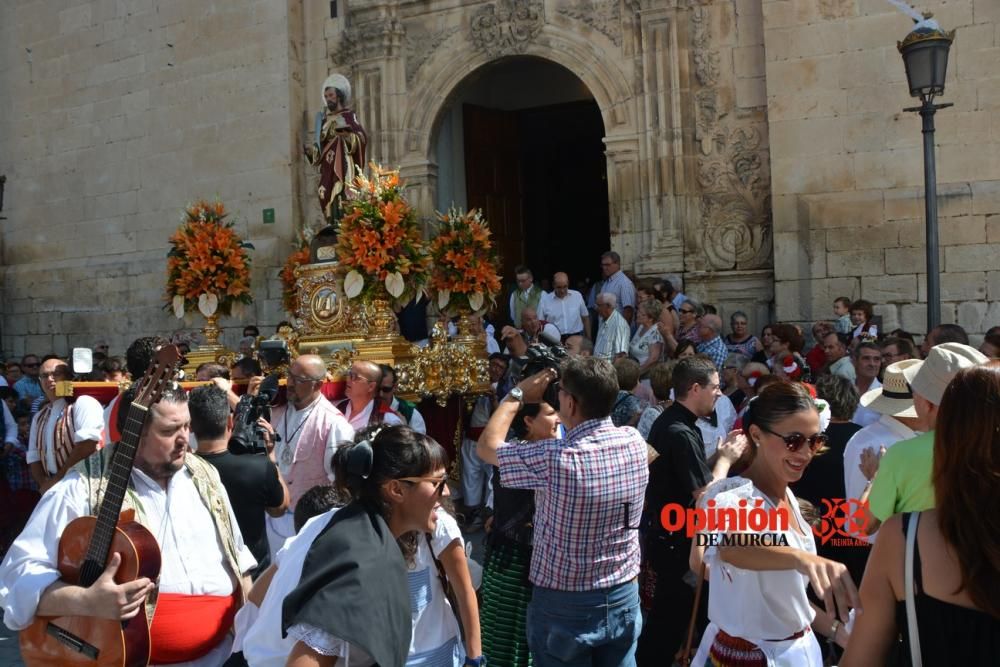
x=529 y=321
x=313 y=365
x=305 y=379
x=363 y=383
x=560 y=284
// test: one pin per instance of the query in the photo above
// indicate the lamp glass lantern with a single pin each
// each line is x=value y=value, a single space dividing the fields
x=925 y=55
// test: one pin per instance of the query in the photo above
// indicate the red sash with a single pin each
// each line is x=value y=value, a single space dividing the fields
x=113 y=434
x=187 y=627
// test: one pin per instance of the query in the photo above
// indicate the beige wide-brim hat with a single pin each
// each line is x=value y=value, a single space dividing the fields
x=894 y=397
x=942 y=364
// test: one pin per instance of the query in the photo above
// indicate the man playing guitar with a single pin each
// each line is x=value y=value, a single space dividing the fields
x=176 y=497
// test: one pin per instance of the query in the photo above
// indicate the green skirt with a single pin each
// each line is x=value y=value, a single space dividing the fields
x=505 y=593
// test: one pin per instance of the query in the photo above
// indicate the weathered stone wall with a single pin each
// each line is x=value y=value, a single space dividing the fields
x=114 y=115
x=847 y=165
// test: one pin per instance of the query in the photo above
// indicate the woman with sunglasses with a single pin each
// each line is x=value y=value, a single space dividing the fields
x=350 y=607
x=689 y=312
x=434 y=560
x=758 y=607
x=506 y=590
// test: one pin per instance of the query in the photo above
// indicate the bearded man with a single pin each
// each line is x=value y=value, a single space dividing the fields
x=339 y=145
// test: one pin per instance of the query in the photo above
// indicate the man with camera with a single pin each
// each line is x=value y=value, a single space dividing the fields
x=591 y=483
x=253 y=483
x=309 y=429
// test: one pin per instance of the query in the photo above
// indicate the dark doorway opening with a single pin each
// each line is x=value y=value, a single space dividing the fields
x=541 y=177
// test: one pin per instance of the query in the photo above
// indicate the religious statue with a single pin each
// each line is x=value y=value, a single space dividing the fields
x=338 y=149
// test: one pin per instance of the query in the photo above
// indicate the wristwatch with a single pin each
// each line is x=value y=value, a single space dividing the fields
x=517 y=395
x=476 y=662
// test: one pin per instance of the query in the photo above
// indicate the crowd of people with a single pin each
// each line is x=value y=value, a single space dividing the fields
x=339 y=538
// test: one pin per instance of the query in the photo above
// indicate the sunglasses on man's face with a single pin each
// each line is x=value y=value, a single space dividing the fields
x=794 y=441
x=387 y=390
x=30 y=365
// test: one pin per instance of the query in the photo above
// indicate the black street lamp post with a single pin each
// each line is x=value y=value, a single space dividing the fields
x=925 y=55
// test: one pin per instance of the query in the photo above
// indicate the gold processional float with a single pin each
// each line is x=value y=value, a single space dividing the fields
x=343 y=307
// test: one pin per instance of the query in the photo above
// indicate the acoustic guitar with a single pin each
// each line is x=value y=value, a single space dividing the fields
x=87 y=544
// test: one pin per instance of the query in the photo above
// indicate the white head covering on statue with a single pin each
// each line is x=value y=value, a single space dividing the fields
x=340 y=82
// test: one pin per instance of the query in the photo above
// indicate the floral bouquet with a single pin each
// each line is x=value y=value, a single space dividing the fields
x=289 y=295
x=464 y=276
x=380 y=246
x=207 y=267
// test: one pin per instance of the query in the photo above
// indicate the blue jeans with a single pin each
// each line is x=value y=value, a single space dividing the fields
x=584 y=629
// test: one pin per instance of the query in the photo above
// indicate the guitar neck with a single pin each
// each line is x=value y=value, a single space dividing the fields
x=117 y=475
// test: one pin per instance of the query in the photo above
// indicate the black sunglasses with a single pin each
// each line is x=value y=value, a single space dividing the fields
x=387 y=390
x=794 y=441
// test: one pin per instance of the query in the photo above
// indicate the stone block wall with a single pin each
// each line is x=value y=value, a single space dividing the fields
x=113 y=116
x=847 y=162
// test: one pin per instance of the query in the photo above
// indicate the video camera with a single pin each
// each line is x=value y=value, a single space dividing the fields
x=540 y=357
x=248 y=435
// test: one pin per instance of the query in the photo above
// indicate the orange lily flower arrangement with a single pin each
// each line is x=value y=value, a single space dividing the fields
x=380 y=246
x=464 y=276
x=207 y=267
x=289 y=295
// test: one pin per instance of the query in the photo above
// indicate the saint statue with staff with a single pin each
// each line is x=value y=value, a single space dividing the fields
x=338 y=149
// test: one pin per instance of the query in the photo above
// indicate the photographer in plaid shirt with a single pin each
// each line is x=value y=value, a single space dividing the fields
x=589 y=489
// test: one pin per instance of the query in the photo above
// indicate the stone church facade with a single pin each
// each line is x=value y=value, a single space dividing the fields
x=756 y=147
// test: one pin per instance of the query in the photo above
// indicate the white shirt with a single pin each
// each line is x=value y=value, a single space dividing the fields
x=613 y=337
x=417 y=422
x=492 y=346
x=88 y=419
x=261 y=641
x=758 y=605
x=359 y=421
x=725 y=415
x=10 y=426
x=884 y=433
x=639 y=347
x=567 y=313
x=290 y=425
x=178 y=519
x=434 y=622
x=866 y=416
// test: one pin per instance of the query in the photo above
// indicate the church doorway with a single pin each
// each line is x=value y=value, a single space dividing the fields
x=522 y=138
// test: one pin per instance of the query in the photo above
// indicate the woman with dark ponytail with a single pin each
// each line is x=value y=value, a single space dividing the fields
x=758 y=607
x=351 y=606
x=506 y=589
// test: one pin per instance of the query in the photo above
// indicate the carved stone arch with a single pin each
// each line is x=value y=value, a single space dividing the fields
x=442 y=73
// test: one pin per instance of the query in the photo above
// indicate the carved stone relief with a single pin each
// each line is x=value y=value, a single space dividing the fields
x=421 y=45
x=706 y=61
x=732 y=167
x=365 y=41
x=505 y=27
x=603 y=16
x=736 y=203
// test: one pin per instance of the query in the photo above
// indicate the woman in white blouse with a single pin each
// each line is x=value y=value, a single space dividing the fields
x=758 y=608
x=647 y=345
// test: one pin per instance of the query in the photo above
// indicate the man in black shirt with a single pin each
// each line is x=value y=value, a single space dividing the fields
x=253 y=482
x=679 y=475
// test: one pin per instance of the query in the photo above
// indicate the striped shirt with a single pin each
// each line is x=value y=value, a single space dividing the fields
x=583 y=485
